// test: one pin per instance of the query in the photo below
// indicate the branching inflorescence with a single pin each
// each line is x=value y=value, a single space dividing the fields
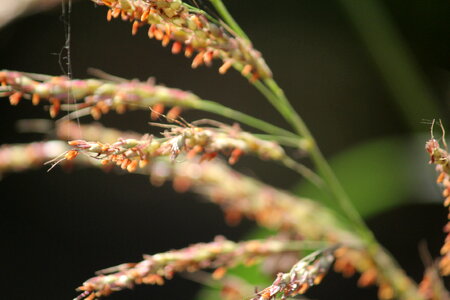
x=129 y=153
x=154 y=269
x=441 y=158
x=266 y=205
x=308 y=272
x=99 y=96
x=191 y=29
x=184 y=155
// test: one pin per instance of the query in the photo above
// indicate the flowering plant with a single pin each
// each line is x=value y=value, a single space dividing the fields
x=196 y=156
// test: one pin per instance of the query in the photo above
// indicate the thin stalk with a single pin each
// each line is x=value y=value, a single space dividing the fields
x=284 y=140
x=210 y=106
x=224 y=13
x=304 y=171
x=402 y=285
x=277 y=102
x=217 y=108
x=300 y=143
x=275 y=95
x=316 y=155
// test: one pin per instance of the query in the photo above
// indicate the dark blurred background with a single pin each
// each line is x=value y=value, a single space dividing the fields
x=342 y=74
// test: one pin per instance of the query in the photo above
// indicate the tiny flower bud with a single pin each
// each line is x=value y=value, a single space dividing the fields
x=157 y=110
x=116 y=12
x=188 y=51
x=14 y=99
x=135 y=27
x=176 y=47
x=246 y=70
x=109 y=15
x=198 y=59
x=132 y=166
x=35 y=99
x=219 y=273
x=71 y=154
x=224 y=68
x=173 y=113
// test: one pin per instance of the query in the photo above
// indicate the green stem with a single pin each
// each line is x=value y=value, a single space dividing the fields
x=210 y=106
x=214 y=107
x=287 y=141
x=304 y=171
x=225 y=14
x=389 y=269
x=282 y=104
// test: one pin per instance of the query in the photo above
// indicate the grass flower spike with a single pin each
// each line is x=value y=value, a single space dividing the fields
x=306 y=273
x=191 y=31
x=155 y=269
x=99 y=96
x=189 y=156
x=441 y=158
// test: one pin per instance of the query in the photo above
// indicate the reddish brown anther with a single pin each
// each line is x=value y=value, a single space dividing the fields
x=116 y=12
x=132 y=166
x=188 y=51
x=208 y=57
x=368 y=278
x=165 y=40
x=176 y=47
x=55 y=107
x=145 y=15
x=208 y=156
x=71 y=154
x=157 y=110
x=198 y=59
x=96 y=113
x=135 y=27
x=14 y=99
x=224 y=68
x=109 y=15
x=246 y=70
x=35 y=99
x=235 y=155
x=219 y=273
x=174 y=113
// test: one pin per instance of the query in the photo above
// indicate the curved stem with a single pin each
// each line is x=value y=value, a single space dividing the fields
x=402 y=285
x=283 y=105
x=304 y=171
x=217 y=108
x=223 y=12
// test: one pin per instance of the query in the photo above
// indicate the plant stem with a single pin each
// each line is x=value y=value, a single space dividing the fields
x=224 y=13
x=287 y=141
x=275 y=95
x=214 y=107
x=294 y=140
x=304 y=171
x=285 y=108
x=403 y=286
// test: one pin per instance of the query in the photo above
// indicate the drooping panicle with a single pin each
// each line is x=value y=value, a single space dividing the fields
x=98 y=96
x=155 y=269
x=173 y=20
x=192 y=141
